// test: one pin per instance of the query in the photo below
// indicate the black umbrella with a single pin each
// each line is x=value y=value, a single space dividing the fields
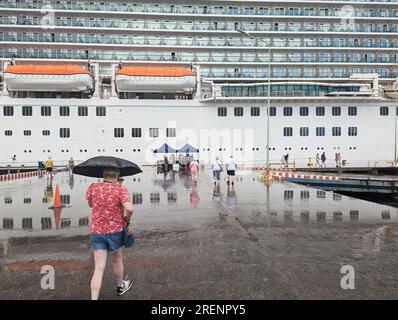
x=94 y=167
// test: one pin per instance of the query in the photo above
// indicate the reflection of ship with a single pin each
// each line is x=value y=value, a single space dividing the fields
x=165 y=180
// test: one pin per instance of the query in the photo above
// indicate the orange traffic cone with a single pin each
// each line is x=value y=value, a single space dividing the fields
x=57 y=198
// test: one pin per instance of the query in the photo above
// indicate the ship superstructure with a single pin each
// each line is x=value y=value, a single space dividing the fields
x=84 y=78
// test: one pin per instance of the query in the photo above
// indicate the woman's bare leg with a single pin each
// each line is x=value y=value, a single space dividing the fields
x=117 y=266
x=100 y=263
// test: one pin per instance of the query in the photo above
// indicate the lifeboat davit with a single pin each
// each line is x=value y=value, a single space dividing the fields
x=63 y=78
x=155 y=80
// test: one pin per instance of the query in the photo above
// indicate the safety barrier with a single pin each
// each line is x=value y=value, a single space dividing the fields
x=283 y=169
x=28 y=174
x=283 y=176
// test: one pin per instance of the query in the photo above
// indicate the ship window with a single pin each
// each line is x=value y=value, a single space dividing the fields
x=288 y=131
x=384 y=111
x=82 y=111
x=8 y=132
x=119 y=132
x=154 y=132
x=255 y=111
x=46 y=111
x=46 y=132
x=64 y=111
x=222 y=111
x=336 y=131
x=304 y=131
x=272 y=111
x=352 y=131
x=27 y=223
x=136 y=132
x=320 y=131
x=101 y=111
x=352 y=111
x=304 y=111
x=8 y=111
x=27 y=111
x=8 y=223
x=238 y=111
x=27 y=132
x=170 y=132
x=137 y=198
x=64 y=132
x=336 y=111
x=287 y=111
x=320 y=111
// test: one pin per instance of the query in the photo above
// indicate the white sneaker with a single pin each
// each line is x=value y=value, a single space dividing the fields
x=127 y=284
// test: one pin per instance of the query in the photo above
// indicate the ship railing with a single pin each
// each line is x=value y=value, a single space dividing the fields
x=34 y=164
x=310 y=162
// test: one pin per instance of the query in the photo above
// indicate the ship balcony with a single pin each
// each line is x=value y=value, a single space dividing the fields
x=384 y=27
x=302 y=9
x=217 y=41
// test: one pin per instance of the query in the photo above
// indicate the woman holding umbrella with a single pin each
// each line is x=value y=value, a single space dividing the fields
x=111 y=213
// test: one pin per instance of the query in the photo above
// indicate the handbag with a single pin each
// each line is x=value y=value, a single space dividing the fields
x=128 y=239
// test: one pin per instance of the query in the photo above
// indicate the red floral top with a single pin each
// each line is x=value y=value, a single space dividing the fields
x=106 y=201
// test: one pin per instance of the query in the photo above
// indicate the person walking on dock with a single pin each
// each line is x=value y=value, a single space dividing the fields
x=111 y=212
x=339 y=159
x=287 y=160
x=217 y=168
x=49 y=166
x=194 y=168
x=231 y=168
x=323 y=159
x=317 y=161
x=71 y=165
x=336 y=158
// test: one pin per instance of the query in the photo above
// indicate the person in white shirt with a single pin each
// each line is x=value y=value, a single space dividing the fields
x=217 y=168
x=231 y=168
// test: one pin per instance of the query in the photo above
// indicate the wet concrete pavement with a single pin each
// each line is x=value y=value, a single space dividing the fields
x=250 y=242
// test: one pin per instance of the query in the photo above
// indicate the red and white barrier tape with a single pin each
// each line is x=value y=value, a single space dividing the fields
x=285 y=175
x=29 y=174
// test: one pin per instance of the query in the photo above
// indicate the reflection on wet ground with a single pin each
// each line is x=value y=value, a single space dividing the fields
x=164 y=197
x=290 y=237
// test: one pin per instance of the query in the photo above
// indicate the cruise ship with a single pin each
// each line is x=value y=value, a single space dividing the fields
x=252 y=79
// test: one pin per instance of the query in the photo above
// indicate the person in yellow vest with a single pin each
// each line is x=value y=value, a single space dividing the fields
x=309 y=162
x=49 y=165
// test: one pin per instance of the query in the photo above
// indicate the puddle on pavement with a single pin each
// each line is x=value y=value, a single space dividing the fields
x=171 y=199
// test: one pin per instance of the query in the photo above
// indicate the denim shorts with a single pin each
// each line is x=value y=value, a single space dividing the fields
x=111 y=242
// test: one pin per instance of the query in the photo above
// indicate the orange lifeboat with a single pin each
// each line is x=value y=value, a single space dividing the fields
x=63 y=78
x=155 y=80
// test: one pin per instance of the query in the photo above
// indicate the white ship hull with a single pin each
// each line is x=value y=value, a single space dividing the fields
x=197 y=123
